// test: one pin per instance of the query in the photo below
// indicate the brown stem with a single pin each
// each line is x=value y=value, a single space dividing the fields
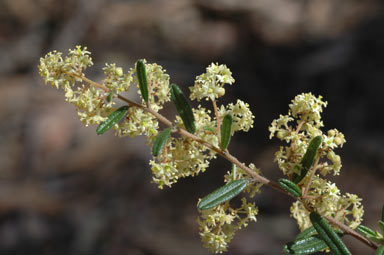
x=218 y=122
x=313 y=171
x=351 y=232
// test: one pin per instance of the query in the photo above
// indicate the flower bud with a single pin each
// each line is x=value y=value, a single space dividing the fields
x=119 y=71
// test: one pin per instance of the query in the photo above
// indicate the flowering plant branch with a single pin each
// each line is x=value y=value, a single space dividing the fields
x=204 y=136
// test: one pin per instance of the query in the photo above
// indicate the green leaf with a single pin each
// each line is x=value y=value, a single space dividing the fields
x=307 y=245
x=380 y=250
x=382 y=213
x=109 y=97
x=366 y=231
x=370 y=234
x=222 y=194
x=308 y=158
x=306 y=233
x=226 y=130
x=113 y=118
x=290 y=187
x=381 y=225
x=183 y=108
x=328 y=235
x=160 y=141
x=142 y=78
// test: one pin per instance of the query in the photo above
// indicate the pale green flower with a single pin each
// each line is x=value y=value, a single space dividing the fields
x=307 y=107
x=79 y=59
x=138 y=122
x=241 y=114
x=164 y=173
x=328 y=201
x=218 y=225
x=181 y=157
x=209 y=85
x=115 y=79
x=90 y=103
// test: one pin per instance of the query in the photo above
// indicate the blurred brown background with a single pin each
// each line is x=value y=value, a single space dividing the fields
x=65 y=190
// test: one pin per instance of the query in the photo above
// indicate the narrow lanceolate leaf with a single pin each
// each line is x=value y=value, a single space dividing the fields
x=142 y=78
x=366 y=231
x=160 y=141
x=113 y=118
x=328 y=235
x=226 y=130
x=290 y=187
x=380 y=250
x=183 y=108
x=308 y=158
x=307 y=245
x=369 y=233
x=306 y=233
x=109 y=97
x=222 y=194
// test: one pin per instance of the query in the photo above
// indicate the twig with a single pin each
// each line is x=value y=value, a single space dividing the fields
x=309 y=181
x=218 y=123
x=232 y=159
x=351 y=232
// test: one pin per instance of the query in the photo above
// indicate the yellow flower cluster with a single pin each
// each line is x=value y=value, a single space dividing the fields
x=116 y=81
x=241 y=114
x=323 y=195
x=209 y=85
x=91 y=102
x=328 y=201
x=218 y=225
x=185 y=157
x=306 y=109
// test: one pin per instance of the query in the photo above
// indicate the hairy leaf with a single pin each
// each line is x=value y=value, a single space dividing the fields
x=308 y=158
x=142 y=78
x=109 y=97
x=160 y=141
x=381 y=225
x=328 y=235
x=290 y=187
x=366 y=231
x=226 y=130
x=183 y=108
x=306 y=233
x=307 y=245
x=113 y=118
x=222 y=194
